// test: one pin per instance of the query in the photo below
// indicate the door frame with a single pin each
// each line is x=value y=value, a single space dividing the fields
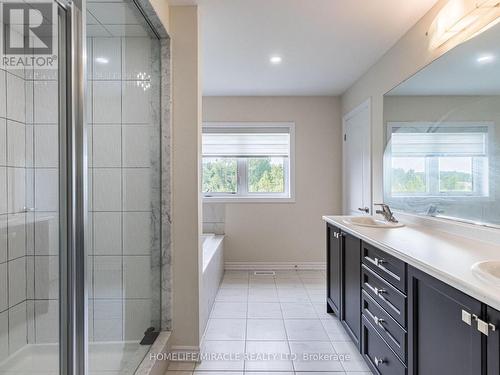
x=73 y=352
x=367 y=104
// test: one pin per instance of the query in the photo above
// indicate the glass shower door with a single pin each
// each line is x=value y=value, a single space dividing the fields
x=123 y=99
x=30 y=167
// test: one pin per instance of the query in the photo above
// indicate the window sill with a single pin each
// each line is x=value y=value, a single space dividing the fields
x=225 y=199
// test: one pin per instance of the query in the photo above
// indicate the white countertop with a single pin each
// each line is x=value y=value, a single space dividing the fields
x=445 y=256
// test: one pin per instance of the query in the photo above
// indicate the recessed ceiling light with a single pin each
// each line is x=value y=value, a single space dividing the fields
x=101 y=60
x=485 y=59
x=275 y=60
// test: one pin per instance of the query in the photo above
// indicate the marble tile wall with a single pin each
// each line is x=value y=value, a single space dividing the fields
x=214 y=218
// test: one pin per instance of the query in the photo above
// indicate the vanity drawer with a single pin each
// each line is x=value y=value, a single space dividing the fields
x=391 y=299
x=377 y=354
x=390 y=268
x=388 y=328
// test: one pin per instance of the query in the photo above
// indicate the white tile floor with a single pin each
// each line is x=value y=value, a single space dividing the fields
x=274 y=325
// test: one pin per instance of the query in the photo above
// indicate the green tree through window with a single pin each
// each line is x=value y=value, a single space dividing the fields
x=219 y=175
x=266 y=175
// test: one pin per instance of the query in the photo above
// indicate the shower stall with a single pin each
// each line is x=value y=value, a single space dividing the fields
x=83 y=249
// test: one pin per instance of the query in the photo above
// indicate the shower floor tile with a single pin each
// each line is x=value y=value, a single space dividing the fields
x=104 y=359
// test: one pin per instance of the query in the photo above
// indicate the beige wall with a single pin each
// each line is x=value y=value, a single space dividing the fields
x=162 y=9
x=287 y=232
x=411 y=53
x=186 y=130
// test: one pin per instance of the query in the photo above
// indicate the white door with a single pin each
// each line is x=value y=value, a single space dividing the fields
x=357 y=161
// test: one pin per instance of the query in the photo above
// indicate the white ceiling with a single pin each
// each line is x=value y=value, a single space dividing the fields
x=472 y=68
x=115 y=18
x=326 y=45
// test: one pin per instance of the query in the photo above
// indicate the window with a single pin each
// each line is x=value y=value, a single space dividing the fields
x=247 y=161
x=446 y=160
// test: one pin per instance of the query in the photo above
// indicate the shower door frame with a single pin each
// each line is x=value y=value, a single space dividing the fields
x=73 y=353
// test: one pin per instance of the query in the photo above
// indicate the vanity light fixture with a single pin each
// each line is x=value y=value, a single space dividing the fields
x=460 y=20
x=275 y=60
x=101 y=60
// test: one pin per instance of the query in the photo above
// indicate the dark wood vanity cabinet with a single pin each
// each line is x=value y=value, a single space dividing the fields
x=443 y=338
x=493 y=342
x=404 y=321
x=351 y=286
x=344 y=280
x=334 y=269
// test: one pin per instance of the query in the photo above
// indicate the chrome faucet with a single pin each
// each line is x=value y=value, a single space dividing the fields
x=386 y=212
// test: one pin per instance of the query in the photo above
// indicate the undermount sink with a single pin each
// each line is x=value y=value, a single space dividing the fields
x=371 y=221
x=488 y=271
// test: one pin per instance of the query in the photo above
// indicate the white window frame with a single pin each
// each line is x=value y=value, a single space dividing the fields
x=242 y=195
x=432 y=166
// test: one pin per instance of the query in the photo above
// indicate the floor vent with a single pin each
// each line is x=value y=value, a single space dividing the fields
x=264 y=273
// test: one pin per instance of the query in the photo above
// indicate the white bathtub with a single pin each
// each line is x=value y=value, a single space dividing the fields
x=213 y=270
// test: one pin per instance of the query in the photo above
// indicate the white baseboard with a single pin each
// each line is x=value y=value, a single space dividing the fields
x=254 y=266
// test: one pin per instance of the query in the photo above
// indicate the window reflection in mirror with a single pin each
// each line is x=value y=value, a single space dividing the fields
x=442 y=137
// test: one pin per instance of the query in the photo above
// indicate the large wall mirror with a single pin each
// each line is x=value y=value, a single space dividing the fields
x=443 y=135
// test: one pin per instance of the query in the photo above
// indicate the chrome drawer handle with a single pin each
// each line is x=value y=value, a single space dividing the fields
x=378 y=291
x=378 y=321
x=379 y=361
x=379 y=262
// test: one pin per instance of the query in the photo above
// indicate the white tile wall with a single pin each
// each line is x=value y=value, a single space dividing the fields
x=137 y=318
x=4 y=303
x=137 y=141
x=45 y=106
x=16 y=189
x=16 y=149
x=107 y=233
x=46 y=233
x=107 y=189
x=28 y=209
x=136 y=107
x=47 y=189
x=47 y=321
x=137 y=233
x=3 y=101
x=17 y=327
x=46 y=146
x=46 y=277
x=136 y=189
x=107 y=146
x=17 y=281
x=121 y=152
x=17 y=235
x=3 y=190
x=4 y=335
x=136 y=272
x=30 y=277
x=108 y=320
x=107 y=59
x=136 y=57
x=108 y=277
x=107 y=102
x=16 y=105
x=3 y=238
x=3 y=141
